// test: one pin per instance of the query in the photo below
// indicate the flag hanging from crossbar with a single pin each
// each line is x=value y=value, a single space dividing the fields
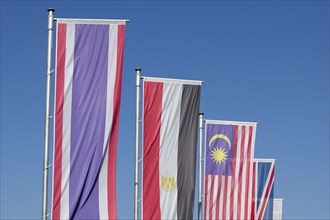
x=229 y=152
x=263 y=197
x=89 y=59
x=170 y=122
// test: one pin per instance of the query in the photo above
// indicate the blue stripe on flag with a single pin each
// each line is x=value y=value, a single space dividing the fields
x=89 y=90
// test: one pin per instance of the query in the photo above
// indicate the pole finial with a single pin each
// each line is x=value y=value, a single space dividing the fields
x=50 y=9
x=201 y=113
x=138 y=69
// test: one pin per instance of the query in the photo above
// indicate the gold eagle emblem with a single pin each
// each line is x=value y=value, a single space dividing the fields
x=168 y=183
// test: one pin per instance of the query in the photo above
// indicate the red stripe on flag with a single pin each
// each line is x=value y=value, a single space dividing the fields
x=248 y=165
x=205 y=194
x=265 y=199
x=224 y=202
x=153 y=93
x=211 y=197
x=60 y=68
x=231 y=216
x=254 y=197
x=112 y=207
x=240 y=175
x=217 y=210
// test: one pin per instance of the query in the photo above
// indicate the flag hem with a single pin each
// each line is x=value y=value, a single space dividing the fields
x=90 y=21
x=169 y=80
x=230 y=122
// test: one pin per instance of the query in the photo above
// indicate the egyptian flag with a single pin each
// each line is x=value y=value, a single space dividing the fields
x=89 y=58
x=170 y=123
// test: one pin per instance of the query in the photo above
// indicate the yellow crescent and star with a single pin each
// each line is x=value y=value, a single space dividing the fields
x=219 y=154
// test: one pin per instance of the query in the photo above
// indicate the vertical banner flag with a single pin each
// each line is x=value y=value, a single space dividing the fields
x=89 y=59
x=264 y=173
x=277 y=209
x=229 y=152
x=170 y=122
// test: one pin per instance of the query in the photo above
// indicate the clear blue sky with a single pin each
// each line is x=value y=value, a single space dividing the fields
x=265 y=61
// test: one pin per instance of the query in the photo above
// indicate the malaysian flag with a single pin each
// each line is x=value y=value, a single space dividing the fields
x=229 y=150
x=263 y=192
x=89 y=57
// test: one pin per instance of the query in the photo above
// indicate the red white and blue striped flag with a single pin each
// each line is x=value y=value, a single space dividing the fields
x=89 y=58
x=229 y=152
x=264 y=173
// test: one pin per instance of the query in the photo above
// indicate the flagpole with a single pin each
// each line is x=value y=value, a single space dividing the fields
x=200 y=165
x=137 y=133
x=47 y=118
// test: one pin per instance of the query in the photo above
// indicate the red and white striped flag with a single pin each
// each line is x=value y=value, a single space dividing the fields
x=170 y=123
x=229 y=152
x=89 y=58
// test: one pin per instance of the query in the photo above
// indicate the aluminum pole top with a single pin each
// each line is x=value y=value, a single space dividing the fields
x=51 y=9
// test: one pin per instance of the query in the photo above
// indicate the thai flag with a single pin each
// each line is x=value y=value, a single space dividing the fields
x=264 y=173
x=89 y=58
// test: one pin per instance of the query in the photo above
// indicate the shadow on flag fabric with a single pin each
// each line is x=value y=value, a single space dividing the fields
x=264 y=173
x=170 y=122
x=229 y=152
x=89 y=59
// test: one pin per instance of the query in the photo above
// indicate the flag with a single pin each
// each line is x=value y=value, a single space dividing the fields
x=263 y=172
x=229 y=150
x=277 y=209
x=89 y=58
x=170 y=123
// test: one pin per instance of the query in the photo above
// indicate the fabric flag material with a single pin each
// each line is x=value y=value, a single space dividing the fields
x=277 y=209
x=170 y=122
x=229 y=153
x=264 y=173
x=89 y=59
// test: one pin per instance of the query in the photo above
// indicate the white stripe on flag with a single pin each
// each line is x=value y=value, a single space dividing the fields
x=215 y=191
x=209 y=180
x=222 y=196
x=228 y=197
x=168 y=153
x=237 y=166
x=112 y=69
x=244 y=176
x=251 y=173
x=68 y=75
x=255 y=196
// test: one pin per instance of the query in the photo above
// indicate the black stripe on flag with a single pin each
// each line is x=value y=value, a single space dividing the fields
x=187 y=150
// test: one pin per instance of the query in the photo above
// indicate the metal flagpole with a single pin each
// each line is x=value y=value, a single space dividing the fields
x=137 y=133
x=200 y=165
x=47 y=118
